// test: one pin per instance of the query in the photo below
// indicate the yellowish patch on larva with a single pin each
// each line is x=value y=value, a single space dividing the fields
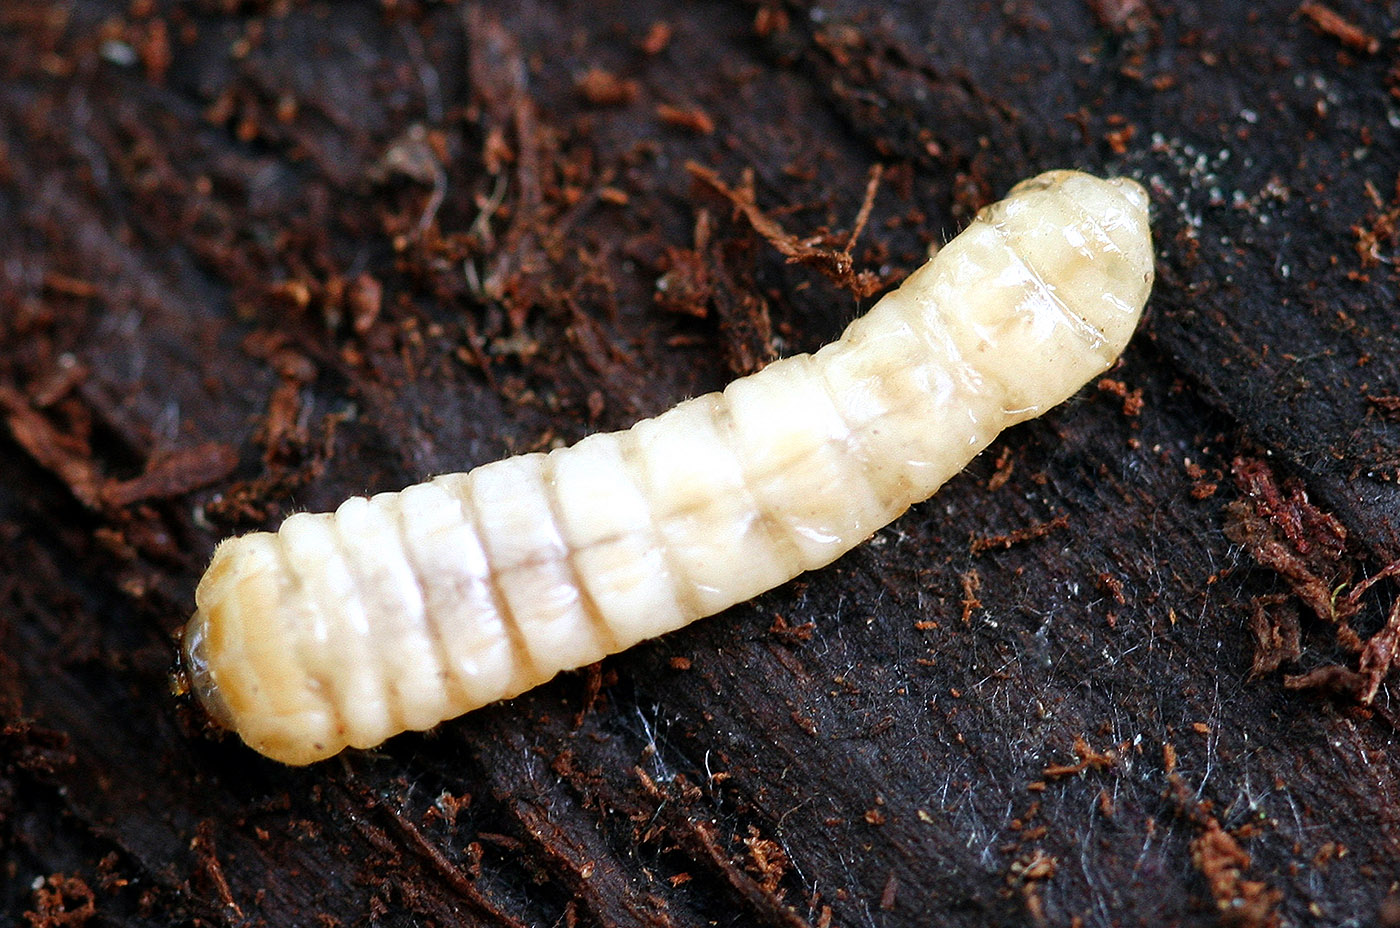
x=405 y=609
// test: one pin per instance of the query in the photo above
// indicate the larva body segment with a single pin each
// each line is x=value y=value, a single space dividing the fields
x=405 y=609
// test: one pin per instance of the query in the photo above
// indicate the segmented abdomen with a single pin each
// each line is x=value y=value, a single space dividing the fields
x=408 y=608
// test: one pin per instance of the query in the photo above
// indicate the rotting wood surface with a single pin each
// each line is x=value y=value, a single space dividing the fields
x=260 y=256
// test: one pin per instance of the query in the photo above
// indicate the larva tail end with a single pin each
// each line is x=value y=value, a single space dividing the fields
x=1043 y=291
x=1133 y=192
x=1089 y=241
x=1128 y=188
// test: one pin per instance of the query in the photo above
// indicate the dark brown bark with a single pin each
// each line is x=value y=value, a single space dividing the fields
x=259 y=256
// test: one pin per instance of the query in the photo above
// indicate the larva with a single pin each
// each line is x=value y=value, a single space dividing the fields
x=404 y=609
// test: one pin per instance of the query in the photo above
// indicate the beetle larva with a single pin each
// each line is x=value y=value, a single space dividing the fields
x=407 y=608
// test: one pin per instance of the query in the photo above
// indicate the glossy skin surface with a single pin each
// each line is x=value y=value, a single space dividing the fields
x=405 y=609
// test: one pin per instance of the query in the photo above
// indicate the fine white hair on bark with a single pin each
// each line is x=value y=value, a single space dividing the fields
x=402 y=610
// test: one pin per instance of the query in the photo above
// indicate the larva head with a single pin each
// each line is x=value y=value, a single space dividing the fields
x=239 y=663
x=196 y=675
x=1042 y=292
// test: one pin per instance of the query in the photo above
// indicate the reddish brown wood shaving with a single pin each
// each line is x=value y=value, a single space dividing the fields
x=1121 y=16
x=971 y=583
x=1088 y=757
x=1027 y=874
x=603 y=88
x=770 y=20
x=767 y=861
x=1329 y=22
x=365 y=298
x=834 y=264
x=1132 y=399
x=657 y=38
x=1378 y=656
x=1307 y=547
x=62 y=455
x=1389 y=406
x=69 y=286
x=62 y=901
x=691 y=118
x=685 y=287
x=1240 y=902
x=174 y=474
x=461 y=882
x=793 y=634
x=887 y=896
x=1029 y=533
x=867 y=203
x=1284 y=531
x=1277 y=635
x=1379 y=231
x=698 y=838
x=203 y=847
x=1005 y=467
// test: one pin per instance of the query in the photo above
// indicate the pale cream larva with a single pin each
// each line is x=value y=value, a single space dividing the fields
x=401 y=610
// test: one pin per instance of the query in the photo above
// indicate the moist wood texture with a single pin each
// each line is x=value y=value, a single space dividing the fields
x=256 y=257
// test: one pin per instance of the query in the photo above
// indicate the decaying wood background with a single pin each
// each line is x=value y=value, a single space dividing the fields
x=259 y=255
